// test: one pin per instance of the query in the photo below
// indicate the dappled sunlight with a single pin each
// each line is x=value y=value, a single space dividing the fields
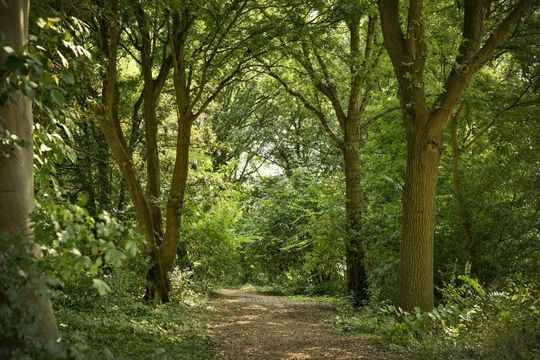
x=253 y=326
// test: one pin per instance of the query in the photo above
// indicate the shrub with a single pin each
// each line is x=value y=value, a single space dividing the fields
x=474 y=323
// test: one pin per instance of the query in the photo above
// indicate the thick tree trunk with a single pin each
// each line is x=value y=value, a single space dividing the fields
x=419 y=216
x=354 y=249
x=169 y=248
x=16 y=179
x=424 y=126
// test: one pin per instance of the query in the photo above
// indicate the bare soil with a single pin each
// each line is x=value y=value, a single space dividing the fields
x=254 y=326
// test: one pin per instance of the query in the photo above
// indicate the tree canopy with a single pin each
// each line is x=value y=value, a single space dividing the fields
x=384 y=154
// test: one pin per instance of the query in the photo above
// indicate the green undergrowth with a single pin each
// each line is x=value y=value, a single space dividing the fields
x=470 y=322
x=120 y=326
x=136 y=331
x=263 y=289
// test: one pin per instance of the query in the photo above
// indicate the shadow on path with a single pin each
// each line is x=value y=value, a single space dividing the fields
x=254 y=326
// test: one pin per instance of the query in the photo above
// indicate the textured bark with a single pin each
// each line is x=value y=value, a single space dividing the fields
x=153 y=186
x=16 y=176
x=169 y=248
x=424 y=126
x=419 y=212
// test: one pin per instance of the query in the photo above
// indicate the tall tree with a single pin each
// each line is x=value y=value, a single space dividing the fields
x=200 y=74
x=424 y=124
x=16 y=182
x=360 y=54
x=146 y=206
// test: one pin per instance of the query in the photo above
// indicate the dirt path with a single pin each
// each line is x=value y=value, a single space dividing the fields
x=253 y=326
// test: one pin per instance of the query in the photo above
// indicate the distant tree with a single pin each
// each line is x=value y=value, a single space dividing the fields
x=339 y=67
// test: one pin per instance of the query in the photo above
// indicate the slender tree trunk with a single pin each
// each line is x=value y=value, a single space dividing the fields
x=144 y=218
x=104 y=170
x=103 y=183
x=16 y=180
x=169 y=248
x=110 y=126
x=153 y=183
x=465 y=239
x=354 y=250
x=87 y=176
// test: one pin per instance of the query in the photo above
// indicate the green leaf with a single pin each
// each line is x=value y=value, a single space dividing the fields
x=114 y=257
x=69 y=77
x=57 y=96
x=101 y=286
x=13 y=63
x=131 y=248
x=95 y=266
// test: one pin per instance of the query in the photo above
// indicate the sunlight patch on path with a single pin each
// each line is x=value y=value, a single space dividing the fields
x=254 y=326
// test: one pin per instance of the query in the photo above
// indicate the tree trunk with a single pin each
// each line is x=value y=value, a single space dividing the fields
x=104 y=170
x=153 y=183
x=110 y=126
x=465 y=240
x=354 y=248
x=87 y=176
x=419 y=215
x=424 y=126
x=144 y=218
x=169 y=248
x=16 y=180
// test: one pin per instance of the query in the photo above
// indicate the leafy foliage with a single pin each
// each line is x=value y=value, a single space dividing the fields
x=296 y=235
x=265 y=201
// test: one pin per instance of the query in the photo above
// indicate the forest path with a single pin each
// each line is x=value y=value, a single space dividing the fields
x=245 y=325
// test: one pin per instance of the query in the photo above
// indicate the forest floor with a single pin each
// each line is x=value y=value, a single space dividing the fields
x=245 y=325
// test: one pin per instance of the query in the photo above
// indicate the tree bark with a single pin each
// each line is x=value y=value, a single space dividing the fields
x=354 y=249
x=153 y=181
x=419 y=215
x=169 y=248
x=16 y=178
x=424 y=126
x=110 y=126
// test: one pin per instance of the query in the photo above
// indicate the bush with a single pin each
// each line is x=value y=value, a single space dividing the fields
x=473 y=323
